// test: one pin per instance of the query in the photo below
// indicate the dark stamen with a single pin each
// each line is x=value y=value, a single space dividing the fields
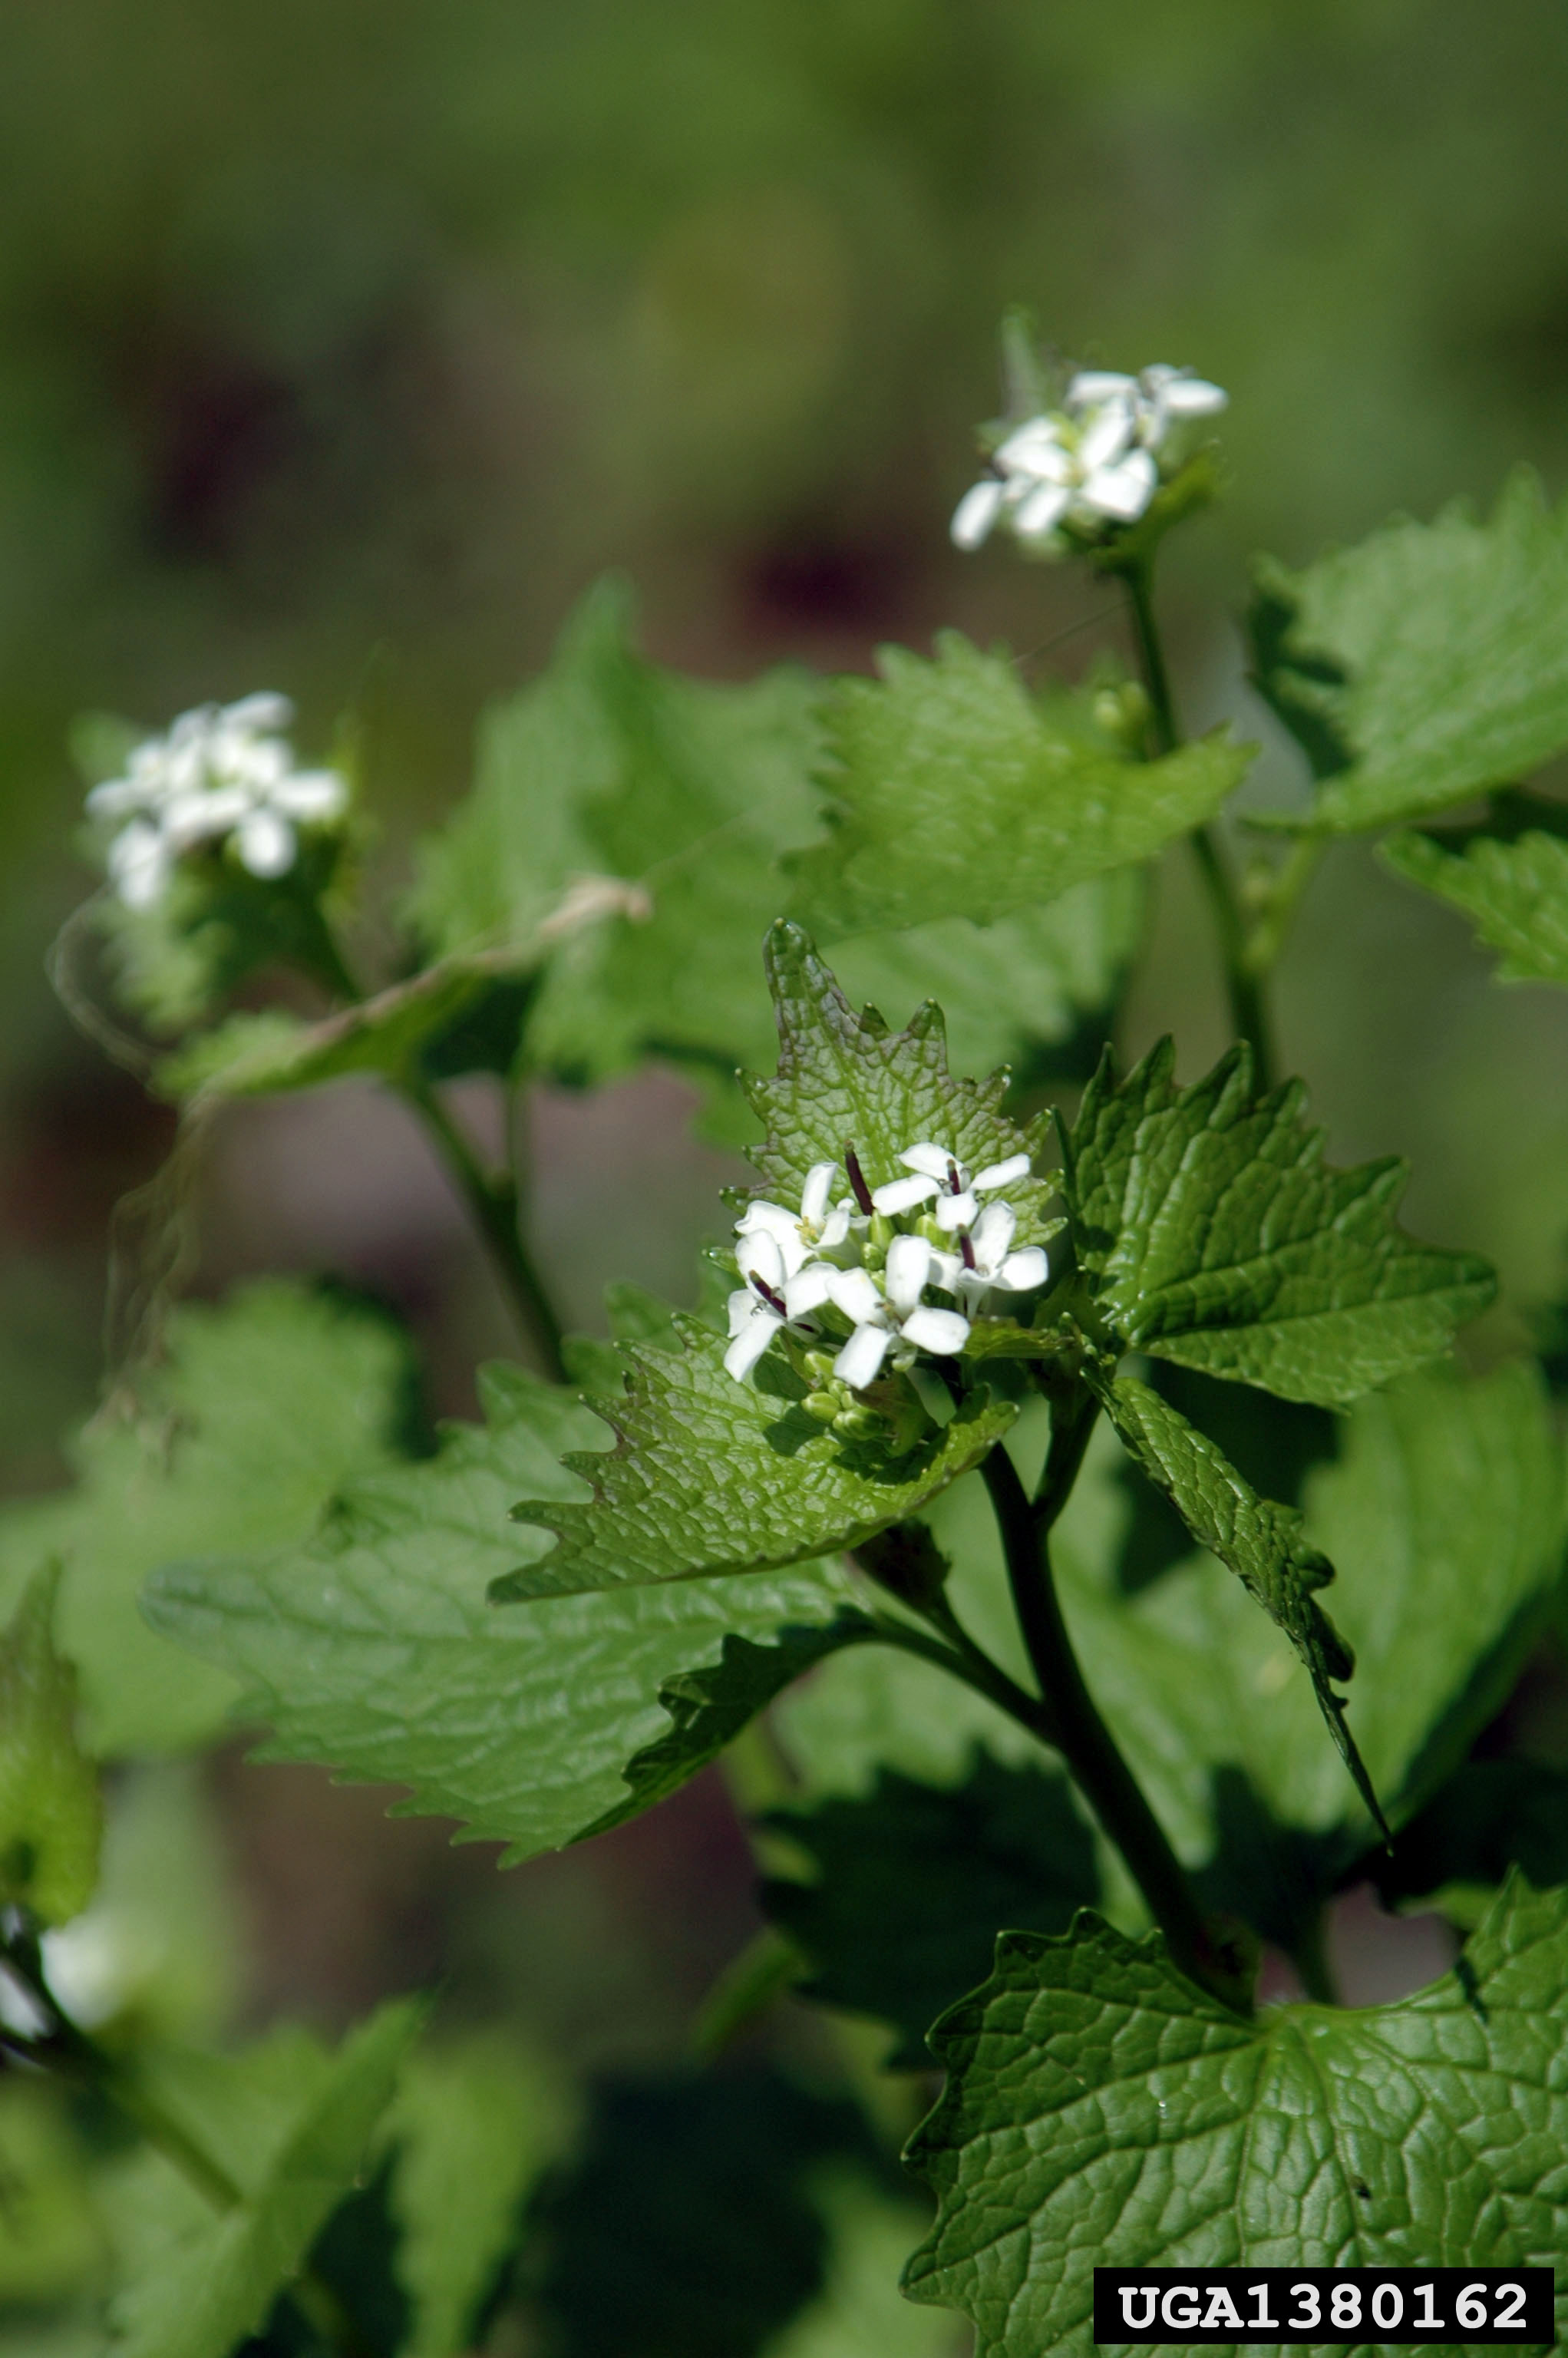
x=857 y=1181
x=966 y=1247
x=955 y=1185
x=774 y=1301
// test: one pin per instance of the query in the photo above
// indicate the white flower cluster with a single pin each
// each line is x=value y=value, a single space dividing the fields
x=1094 y=461
x=852 y=1257
x=222 y=770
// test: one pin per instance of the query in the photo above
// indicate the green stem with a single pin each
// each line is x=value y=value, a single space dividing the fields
x=1280 y=899
x=65 y=2048
x=496 y=1209
x=1081 y=1734
x=1249 y=1015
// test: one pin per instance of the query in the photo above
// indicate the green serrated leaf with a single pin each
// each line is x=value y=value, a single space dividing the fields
x=51 y=1814
x=374 y=1648
x=958 y=794
x=1220 y=1239
x=474 y=2125
x=844 y=1080
x=289 y=2125
x=1100 y=2111
x=238 y=1440
x=788 y=1489
x=1258 y=1540
x=910 y=1883
x=1509 y=876
x=1426 y=663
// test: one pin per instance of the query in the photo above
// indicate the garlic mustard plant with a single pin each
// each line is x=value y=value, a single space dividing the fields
x=1008 y=1493
x=220 y=774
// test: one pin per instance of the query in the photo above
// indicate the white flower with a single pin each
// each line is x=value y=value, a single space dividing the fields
x=940 y=1174
x=771 y=1253
x=892 y=1316
x=986 y=1258
x=1092 y=462
x=220 y=770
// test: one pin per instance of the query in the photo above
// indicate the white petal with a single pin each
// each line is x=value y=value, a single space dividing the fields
x=1107 y=434
x=1123 y=490
x=115 y=796
x=762 y=1218
x=196 y=817
x=946 y=1269
x=976 y=512
x=909 y=1267
x=861 y=1359
x=815 y=1193
x=1001 y=1174
x=1091 y=387
x=751 y=1342
x=854 y=1292
x=266 y=844
x=311 y=794
x=1037 y=450
x=836 y=1227
x=264 y=710
x=739 y=1306
x=956 y=1211
x=902 y=1194
x=138 y=861
x=1021 y=1273
x=936 y=1330
x=930 y=1160
x=758 y=1255
x=1191 y=396
x=1043 y=511
x=808 y=1289
x=993 y=1234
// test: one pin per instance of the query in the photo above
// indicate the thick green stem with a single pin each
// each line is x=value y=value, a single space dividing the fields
x=1248 y=1014
x=1081 y=1734
x=496 y=1210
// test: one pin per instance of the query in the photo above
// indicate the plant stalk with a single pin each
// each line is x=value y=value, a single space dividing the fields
x=494 y=1205
x=1243 y=985
x=1081 y=1734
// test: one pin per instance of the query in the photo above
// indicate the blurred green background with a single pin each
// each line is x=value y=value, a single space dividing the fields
x=341 y=345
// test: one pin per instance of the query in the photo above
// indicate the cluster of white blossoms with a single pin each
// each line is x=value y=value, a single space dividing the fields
x=1094 y=461
x=851 y=1261
x=222 y=770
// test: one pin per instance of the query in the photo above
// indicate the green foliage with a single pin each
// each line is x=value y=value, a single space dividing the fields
x=859 y=2312
x=475 y=2122
x=1509 y=876
x=1427 y=662
x=238 y=1440
x=51 y=2241
x=793 y=1489
x=52 y=1817
x=957 y=792
x=1219 y=1239
x=289 y=2125
x=375 y=1647
x=1258 y=1540
x=1133 y=2122
x=909 y=1884
x=1494 y=1815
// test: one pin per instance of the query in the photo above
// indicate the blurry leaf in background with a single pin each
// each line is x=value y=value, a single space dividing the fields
x=375 y=1648
x=157 y=1954
x=911 y=1885
x=475 y=2121
x=51 y=1816
x=685 y=2227
x=1492 y=1816
x=954 y=793
x=51 y=2240
x=860 y=2312
x=1508 y=875
x=1223 y=1242
x=1431 y=657
x=264 y=1408
x=1133 y=2123
x=289 y=2125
